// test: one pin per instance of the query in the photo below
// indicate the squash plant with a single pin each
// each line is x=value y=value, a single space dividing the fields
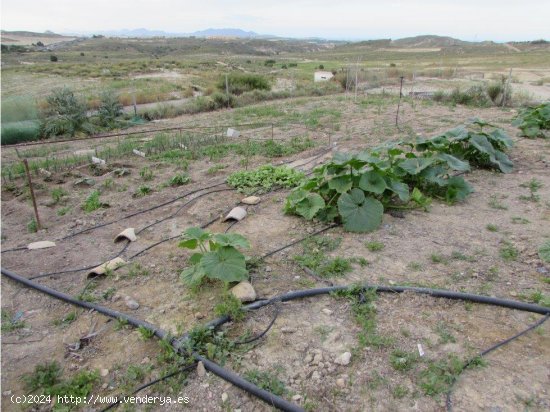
x=218 y=256
x=532 y=121
x=480 y=148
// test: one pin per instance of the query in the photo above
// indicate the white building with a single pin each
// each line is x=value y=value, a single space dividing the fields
x=323 y=76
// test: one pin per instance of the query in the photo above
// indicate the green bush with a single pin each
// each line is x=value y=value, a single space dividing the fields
x=109 y=109
x=64 y=114
x=222 y=100
x=17 y=132
x=239 y=83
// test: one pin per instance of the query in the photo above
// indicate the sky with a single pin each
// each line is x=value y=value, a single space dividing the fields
x=478 y=20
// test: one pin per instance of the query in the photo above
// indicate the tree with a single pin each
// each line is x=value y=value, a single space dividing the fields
x=109 y=109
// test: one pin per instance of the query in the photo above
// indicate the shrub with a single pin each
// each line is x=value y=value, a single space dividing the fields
x=53 y=58
x=64 y=114
x=239 y=83
x=109 y=109
x=222 y=100
x=17 y=132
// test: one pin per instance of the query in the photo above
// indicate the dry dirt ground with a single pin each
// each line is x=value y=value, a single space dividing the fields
x=448 y=247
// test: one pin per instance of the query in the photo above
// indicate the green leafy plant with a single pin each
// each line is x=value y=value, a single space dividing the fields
x=66 y=320
x=146 y=174
x=64 y=114
x=403 y=361
x=143 y=190
x=179 y=179
x=92 y=202
x=374 y=246
x=218 y=256
x=544 y=252
x=32 y=226
x=264 y=179
x=145 y=333
x=230 y=306
x=58 y=194
x=10 y=322
x=534 y=121
x=266 y=380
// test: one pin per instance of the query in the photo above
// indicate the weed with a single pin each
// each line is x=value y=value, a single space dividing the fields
x=323 y=331
x=134 y=375
x=108 y=294
x=179 y=179
x=62 y=211
x=438 y=258
x=46 y=379
x=137 y=270
x=268 y=381
x=10 y=322
x=92 y=202
x=314 y=257
x=108 y=183
x=457 y=255
x=145 y=333
x=438 y=377
x=66 y=320
x=520 y=220
x=230 y=306
x=533 y=185
x=403 y=361
x=374 y=246
x=416 y=266
x=508 y=251
x=399 y=391
x=58 y=194
x=537 y=297
x=496 y=204
x=121 y=324
x=215 y=169
x=32 y=226
x=264 y=179
x=146 y=174
x=445 y=336
x=492 y=227
x=143 y=190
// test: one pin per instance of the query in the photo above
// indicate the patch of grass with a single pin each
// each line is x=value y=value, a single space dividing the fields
x=66 y=320
x=438 y=377
x=92 y=202
x=416 y=266
x=137 y=270
x=399 y=391
x=374 y=246
x=268 y=381
x=533 y=185
x=537 y=297
x=495 y=203
x=134 y=375
x=32 y=226
x=179 y=179
x=492 y=227
x=508 y=251
x=230 y=306
x=9 y=322
x=264 y=179
x=438 y=258
x=46 y=380
x=445 y=335
x=143 y=190
x=323 y=331
x=520 y=220
x=121 y=324
x=146 y=174
x=58 y=194
x=215 y=169
x=403 y=361
x=145 y=333
x=314 y=257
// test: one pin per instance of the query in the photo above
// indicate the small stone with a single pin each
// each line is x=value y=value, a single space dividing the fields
x=344 y=359
x=146 y=360
x=317 y=358
x=251 y=200
x=104 y=372
x=327 y=311
x=131 y=303
x=286 y=329
x=201 y=371
x=268 y=268
x=296 y=397
x=514 y=294
x=225 y=397
x=315 y=376
x=199 y=315
x=308 y=358
x=244 y=292
x=341 y=383
x=105 y=385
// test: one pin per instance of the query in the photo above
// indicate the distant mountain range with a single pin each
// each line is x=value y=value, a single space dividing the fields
x=142 y=32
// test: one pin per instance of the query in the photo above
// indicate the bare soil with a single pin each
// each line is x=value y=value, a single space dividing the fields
x=516 y=376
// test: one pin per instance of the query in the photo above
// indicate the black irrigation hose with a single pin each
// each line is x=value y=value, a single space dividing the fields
x=259 y=336
x=229 y=376
x=449 y=401
x=98 y=308
x=151 y=383
x=239 y=382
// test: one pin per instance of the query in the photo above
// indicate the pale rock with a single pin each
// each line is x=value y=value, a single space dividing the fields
x=251 y=200
x=131 y=303
x=341 y=383
x=104 y=372
x=344 y=359
x=287 y=329
x=315 y=376
x=327 y=311
x=225 y=397
x=199 y=315
x=201 y=370
x=296 y=397
x=244 y=292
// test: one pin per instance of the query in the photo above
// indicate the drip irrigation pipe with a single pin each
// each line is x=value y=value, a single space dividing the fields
x=227 y=375
x=449 y=401
x=151 y=383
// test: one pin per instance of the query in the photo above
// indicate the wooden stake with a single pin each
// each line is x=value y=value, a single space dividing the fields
x=506 y=88
x=26 y=164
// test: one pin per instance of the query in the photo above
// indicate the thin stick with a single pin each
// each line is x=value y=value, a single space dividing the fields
x=26 y=164
x=399 y=103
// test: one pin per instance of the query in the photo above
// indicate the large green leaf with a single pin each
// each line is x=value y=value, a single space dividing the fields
x=226 y=264
x=231 y=239
x=482 y=144
x=309 y=206
x=503 y=162
x=435 y=174
x=340 y=183
x=544 y=252
x=500 y=137
x=457 y=189
x=454 y=163
x=400 y=189
x=416 y=164
x=372 y=181
x=360 y=213
x=192 y=275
